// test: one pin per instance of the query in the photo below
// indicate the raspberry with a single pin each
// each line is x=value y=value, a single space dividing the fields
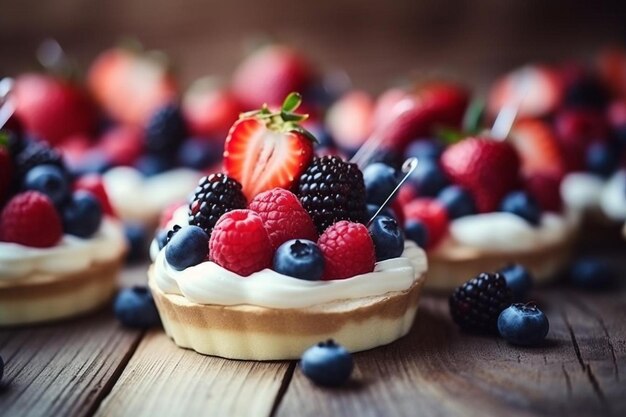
x=283 y=216
x=93 y=183
x=432 y=214
x=348 y=250
x=331 y=190
x=240 y=243
x=30 y=219
x=476 y=305
x=545 y=188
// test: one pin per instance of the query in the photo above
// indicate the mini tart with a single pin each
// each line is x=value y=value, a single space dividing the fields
x=37 y=287
x=261 y=333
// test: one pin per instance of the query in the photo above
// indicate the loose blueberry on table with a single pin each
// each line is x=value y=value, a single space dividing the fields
x=523 y=324
x=327 y=364
x=134 y=307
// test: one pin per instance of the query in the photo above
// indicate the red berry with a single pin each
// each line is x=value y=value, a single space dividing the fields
x=350 y=119
x=93 y=183
x=122 y=145
x=434 y=216
x=6 y=172
x=30 y=219
x=239 y=243
x=210 y=110
x=283 y=216
x=545 y=188
x=348 y=250
x=487 y=168
x=537 y=146
x=575 y=130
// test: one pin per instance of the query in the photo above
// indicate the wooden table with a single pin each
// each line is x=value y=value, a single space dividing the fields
x=92 y=366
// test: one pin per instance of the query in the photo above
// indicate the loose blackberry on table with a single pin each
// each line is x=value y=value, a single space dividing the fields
x=331 y=190
x=215 y=195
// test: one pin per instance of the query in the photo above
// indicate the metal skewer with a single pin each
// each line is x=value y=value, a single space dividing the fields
x=407 y=168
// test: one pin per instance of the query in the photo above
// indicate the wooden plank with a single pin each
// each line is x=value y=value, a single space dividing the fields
x=437 y=370
x=162 y=379
x=64 y=368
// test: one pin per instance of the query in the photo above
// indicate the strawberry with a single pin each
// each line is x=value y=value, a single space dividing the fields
x=487 y=168
x=268 y=75
x=131 y=85
x=350 y=119
x=52 y=108
x=432 y=214
x=283 y=216
x=536 y=88
x=122 y=145
x=94 y=184
x=209 y=110
x=348 y=250
x=239 y=243
x=545 y=188
x=575 y=130
x=265 y=150
x=537 y=147
x=30 y=219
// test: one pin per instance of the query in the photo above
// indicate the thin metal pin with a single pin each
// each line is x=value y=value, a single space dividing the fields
x=7 y=108
x=407 y=169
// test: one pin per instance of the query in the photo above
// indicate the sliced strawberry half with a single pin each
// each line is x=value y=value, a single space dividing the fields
x=537 y=146
x=266 y=150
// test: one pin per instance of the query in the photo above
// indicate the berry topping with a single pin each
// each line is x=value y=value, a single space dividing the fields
x=387 y=237
x=94 y=184
x=6 y=171
x=49 y=180
x=82 y=215
x=299 y=258
x=37 y=153
x=283 y=216
x=523 y=324
x=137 y=240
x=428 y=178
x=240 y=243
x=432 y=214
x=518 y=279
x=522 y=205
x=199 y=154
x=592 y=274
x=187 y=246
x=380 y=181
x=545 y=188
x=487 y=169
x=537 y=147
x=373 y=209
x=424 y=149
x=417 y=232
x=332 y=190
x=30 y=219
x=476 y=305
x=327 y=363
x=165 y=130
x=348 y=250
x=134 y=307
x=265 y=150
x=602 y=159
x=457 y=201
x=215 y=195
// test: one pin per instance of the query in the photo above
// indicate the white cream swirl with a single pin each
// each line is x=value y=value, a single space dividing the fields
x=71 y=254
x=582 y=191
x=209 y=283
x=505 y=232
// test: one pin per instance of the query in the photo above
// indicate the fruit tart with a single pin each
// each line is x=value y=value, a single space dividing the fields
x=60 y=247
x=276 y=253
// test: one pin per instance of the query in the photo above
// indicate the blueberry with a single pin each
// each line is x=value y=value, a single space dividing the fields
x=424 y=149
x=523 y=324
x=387 y=157
x=137 y=239
x=417 y=232
x=188 y=247
x=327 y=363
x=522 y=205
x=592 y=274
x=518 y=279
x=49 y=180
x=134 y=307
x=161 y=238
x=299 y=258
x=387 y=237
x=457 y=201
x=428 y=179
x=373 y=208
x=602 y=159
x=199 y=153
x=82 y=215
x=150 y=165
x=380 y=180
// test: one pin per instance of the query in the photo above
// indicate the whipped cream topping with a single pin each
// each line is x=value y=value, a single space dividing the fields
x=209 y=283
x=583 y=191
x=506 y=232
x=71 y=254
x=136 y=197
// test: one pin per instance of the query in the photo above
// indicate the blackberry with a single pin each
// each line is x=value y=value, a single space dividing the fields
x=331 y=190
x=215 y=195
x=476 y=305
x=166 y=130
x=37 y=153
